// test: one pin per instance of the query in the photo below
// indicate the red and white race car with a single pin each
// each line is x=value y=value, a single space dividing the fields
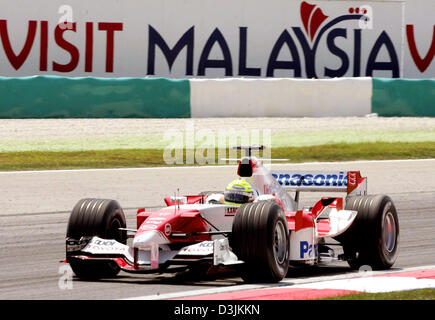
x=261 y=238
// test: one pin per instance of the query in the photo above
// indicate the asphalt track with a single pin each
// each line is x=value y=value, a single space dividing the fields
x=35 y=209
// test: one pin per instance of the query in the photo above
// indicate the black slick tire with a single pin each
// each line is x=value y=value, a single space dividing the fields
x=101 y=218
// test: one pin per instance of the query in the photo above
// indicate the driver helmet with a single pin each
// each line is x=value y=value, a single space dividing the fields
x=239 y=192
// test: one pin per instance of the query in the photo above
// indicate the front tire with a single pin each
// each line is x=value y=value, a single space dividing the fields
x=373 y=237
x=101 y=218
x=260 y=237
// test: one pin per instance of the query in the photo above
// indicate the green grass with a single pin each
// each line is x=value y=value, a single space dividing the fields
x=422 y=294
x=42 y=160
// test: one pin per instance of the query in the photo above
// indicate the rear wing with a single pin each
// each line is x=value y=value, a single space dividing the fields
x=350 y=182
x=279 y=182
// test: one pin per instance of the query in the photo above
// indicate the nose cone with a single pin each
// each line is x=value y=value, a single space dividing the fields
x=146 y=238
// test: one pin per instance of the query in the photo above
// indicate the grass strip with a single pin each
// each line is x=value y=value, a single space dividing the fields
x=421 y=294
x=121 y=158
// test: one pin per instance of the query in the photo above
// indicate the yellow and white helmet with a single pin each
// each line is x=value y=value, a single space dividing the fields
x=239 y=192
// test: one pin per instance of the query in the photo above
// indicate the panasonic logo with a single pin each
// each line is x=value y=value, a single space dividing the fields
x=316 y=179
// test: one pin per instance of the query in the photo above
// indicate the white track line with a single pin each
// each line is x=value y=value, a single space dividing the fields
x=283 y=283
x=214 y=166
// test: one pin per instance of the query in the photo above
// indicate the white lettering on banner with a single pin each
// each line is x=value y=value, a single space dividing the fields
x=309 y=39
x=66 y=20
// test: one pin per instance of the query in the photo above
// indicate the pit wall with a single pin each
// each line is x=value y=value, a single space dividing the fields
x=88 y=97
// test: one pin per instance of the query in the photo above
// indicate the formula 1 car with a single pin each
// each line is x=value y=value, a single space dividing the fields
x=261 y=239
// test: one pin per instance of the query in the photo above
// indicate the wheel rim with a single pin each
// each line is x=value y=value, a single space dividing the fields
x=279 y=243
x=389 y=232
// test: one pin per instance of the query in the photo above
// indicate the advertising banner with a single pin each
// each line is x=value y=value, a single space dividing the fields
x=217 y=38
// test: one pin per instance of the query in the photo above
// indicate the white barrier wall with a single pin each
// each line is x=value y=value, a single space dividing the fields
x=280 y=97
x=217 y=38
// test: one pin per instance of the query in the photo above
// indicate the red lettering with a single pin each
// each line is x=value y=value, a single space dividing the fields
x=89 y=49
x=17 y=60
x=110 y=27
x=422 y=64
x=67 y=46
x=44 y=46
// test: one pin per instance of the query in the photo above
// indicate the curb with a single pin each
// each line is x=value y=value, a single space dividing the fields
x=400 y=281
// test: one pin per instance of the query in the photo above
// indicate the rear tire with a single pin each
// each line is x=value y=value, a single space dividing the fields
x=373 y=237
x=260 y=237
x=101 y=218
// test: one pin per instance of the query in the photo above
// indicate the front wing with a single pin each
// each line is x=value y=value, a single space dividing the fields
x=155 y=259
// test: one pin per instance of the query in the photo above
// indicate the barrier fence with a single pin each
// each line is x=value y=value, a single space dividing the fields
x=88 y=97
x=59 y=97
